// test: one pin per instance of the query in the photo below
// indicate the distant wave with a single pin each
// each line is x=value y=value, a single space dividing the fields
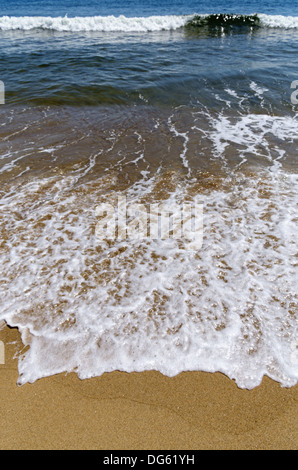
x=95 y=23
x=251 y=21
x=145 y=24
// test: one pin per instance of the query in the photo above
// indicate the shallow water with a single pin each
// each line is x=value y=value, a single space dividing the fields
x=170 y=117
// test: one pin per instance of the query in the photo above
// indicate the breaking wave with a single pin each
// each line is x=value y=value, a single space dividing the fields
x=145 y=24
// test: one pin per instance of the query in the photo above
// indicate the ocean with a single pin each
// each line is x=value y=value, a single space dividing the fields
x=148 y=187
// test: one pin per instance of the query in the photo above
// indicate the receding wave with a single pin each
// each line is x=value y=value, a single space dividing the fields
x=145 y=24
x=91 y=305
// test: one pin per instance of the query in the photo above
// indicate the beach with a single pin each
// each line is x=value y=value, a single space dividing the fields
x=120 y=411
x=148 y=225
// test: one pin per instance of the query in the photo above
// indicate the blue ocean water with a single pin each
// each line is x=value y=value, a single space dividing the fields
x=70 y=53
x=144 y=7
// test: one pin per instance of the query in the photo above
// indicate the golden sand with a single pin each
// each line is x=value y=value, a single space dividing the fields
x=142 y=411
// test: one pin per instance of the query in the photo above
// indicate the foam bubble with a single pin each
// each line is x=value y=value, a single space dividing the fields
x=93 y=306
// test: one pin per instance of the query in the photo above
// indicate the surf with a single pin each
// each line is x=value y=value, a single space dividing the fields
x=146 y=24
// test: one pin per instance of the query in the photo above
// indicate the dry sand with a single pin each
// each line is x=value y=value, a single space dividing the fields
x=142 y=411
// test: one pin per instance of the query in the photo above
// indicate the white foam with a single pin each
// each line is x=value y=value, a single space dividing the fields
x=259 y=91
x=122 y=23
x=95 y=23
x=184 y=136
x=92 y=306
x=252 y=134
x=279 y=21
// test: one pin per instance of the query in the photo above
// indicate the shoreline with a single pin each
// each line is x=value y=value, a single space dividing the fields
x=142 y=411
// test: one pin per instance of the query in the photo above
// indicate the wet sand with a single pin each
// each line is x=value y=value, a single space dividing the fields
x=119 y=411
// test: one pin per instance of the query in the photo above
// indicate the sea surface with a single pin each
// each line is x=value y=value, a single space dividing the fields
x=161 y=104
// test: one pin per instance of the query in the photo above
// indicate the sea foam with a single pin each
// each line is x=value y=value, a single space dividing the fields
x=91 y=306
x=127 y=24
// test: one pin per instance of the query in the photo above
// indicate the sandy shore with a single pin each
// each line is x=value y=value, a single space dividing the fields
x=193 y=411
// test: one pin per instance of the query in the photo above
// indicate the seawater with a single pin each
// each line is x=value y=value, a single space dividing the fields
x=161 y=103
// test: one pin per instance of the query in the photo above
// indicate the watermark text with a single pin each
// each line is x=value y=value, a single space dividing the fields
x=158 y=221
x=2 y=93
x=2 y=353
x=294 y=95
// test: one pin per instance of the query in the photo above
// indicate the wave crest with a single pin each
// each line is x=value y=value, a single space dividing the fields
x=95 y=23
x=223 y=21
x=145 y=24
